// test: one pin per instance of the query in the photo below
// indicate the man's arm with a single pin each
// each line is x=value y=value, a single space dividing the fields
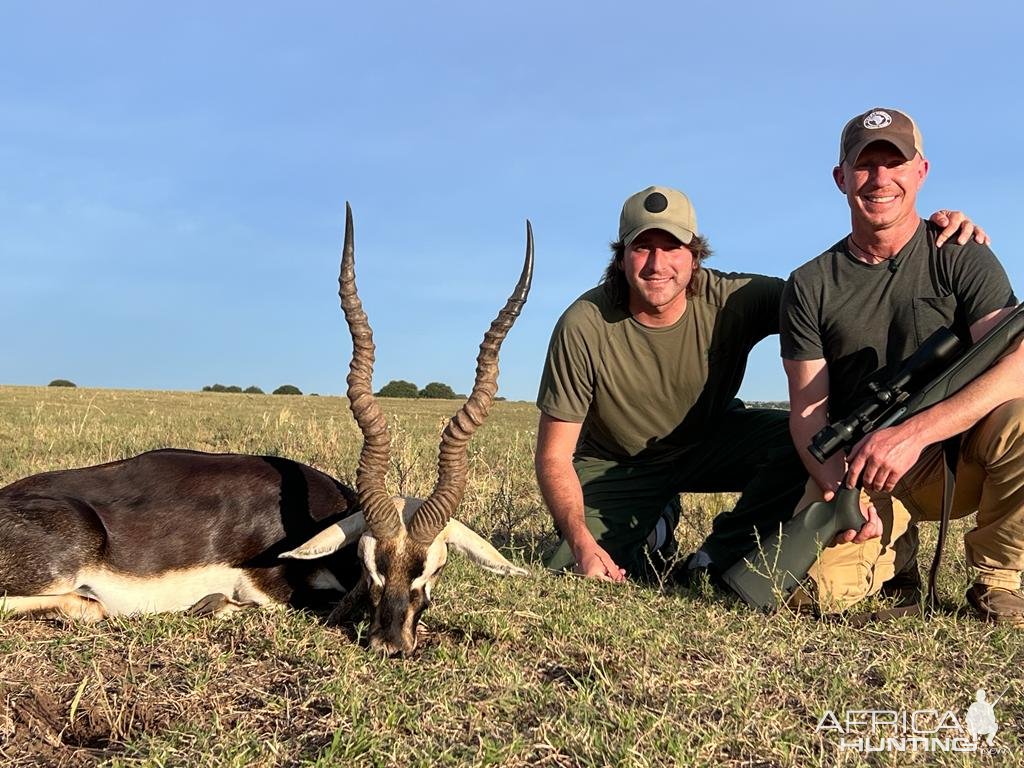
x=808 y=400
x=560 y=486
x=884 y=456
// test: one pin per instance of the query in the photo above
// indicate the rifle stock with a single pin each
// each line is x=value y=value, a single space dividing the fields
x=784 y=559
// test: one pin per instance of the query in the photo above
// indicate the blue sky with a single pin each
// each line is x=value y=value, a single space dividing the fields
x=173 y=176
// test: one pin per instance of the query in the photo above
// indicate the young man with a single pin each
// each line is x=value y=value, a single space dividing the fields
x=859 y=310
x=638 y=403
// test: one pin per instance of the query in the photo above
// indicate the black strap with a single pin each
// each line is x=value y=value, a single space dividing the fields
x=950 y=456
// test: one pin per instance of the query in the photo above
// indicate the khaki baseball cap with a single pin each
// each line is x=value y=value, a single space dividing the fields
x=658 y=208
x=880 y=124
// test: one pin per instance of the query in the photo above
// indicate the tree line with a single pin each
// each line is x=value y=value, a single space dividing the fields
x=284 y=389
x=436 y=390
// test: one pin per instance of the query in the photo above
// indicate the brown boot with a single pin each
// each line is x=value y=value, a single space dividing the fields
x=997 y=604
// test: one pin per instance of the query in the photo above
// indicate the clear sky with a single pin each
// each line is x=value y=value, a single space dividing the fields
x=173 y=176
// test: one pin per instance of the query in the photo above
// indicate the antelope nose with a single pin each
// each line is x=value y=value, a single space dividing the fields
x=392 y=648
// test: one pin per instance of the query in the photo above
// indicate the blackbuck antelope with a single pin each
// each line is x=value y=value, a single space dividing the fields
x=175 y=530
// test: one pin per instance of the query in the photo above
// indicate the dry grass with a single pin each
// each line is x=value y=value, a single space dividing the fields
x=540 y=671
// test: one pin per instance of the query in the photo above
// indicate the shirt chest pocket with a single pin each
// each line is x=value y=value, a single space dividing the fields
x=932 y=313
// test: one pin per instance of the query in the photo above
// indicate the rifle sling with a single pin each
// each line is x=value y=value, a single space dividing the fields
x=950 y=456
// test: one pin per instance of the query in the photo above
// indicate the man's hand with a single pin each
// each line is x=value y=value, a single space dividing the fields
x=871 y=529
x=560 y=486
x=593 y=562
x=954 y=221
x=883 y=457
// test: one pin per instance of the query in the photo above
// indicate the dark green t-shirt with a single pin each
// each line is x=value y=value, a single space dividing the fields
x=865 y=320
x=644 y=393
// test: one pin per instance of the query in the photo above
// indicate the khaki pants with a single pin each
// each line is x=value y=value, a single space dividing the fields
x=989 y=481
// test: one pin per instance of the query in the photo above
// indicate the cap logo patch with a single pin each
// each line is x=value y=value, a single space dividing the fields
x=655 y=202
x=877 y=119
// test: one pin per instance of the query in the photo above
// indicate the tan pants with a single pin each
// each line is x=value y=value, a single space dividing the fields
x=989 y=481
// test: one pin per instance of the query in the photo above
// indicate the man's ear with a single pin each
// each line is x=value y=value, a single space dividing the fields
x=839 y=177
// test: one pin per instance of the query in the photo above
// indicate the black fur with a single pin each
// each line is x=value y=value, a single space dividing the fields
x=171 y=509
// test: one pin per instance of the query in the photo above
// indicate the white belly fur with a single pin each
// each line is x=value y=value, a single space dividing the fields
x=122 y=593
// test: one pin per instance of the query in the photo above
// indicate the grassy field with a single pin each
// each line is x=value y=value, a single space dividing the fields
x=545 y=671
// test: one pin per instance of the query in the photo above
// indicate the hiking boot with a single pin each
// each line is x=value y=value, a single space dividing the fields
x=662 y=548
x=695 y=570
x=997 y=604
x=905 y=586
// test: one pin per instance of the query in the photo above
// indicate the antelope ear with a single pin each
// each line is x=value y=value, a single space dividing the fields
x=479 y=550
x=331 y=539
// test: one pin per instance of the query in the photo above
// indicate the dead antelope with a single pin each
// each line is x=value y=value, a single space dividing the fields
x=174 y=530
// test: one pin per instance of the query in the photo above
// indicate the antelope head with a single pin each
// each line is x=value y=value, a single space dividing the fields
x=403 y=543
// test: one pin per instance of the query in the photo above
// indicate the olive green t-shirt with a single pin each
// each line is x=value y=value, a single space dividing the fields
x=865 y=320
x=644 y=393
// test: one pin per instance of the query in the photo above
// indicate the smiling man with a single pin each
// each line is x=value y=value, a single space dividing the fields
x=853 y=315
x=638 y=403
x=640 y=382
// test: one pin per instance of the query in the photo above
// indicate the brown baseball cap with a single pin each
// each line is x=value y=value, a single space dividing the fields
x=658 y=208
x=880 y=124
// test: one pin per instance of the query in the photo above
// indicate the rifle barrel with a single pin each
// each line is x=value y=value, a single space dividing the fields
x=975 y=360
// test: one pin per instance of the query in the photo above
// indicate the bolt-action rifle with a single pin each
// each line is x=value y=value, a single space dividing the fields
x=940 y=368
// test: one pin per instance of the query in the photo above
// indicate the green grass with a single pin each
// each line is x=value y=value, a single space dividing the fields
x=549 y=671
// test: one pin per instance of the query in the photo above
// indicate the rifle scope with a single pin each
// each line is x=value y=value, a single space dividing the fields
x=938 y=350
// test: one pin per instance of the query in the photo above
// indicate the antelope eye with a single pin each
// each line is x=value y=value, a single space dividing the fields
x=418 y=599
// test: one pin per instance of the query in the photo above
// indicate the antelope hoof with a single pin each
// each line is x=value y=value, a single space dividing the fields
x=217 y=604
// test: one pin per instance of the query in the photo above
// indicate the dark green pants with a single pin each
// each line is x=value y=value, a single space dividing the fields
x=747 y=451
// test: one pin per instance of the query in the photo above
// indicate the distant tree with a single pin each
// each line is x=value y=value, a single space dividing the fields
x=221 y=388
x=398 y=388
x=254 y=391
x=61 y=383
x=438 y=391
x=287 y=389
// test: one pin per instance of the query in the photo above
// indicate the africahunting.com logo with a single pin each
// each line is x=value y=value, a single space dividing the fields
x=917 y=730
